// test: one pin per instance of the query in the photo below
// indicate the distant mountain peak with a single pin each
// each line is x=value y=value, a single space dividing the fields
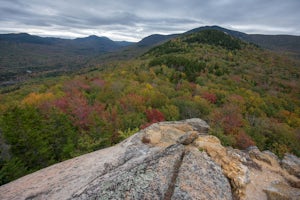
x=233 y=33
x=94 y=37
x=20 y=34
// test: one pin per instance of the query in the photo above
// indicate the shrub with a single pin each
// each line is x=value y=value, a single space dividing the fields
x=226 y=140
x=153 y=116
x=171 y=112
x=210 y=97
x=243 y=141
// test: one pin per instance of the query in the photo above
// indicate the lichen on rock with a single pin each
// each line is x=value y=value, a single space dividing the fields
x=232 y=167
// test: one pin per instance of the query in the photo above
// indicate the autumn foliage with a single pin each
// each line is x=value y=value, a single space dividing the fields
x=247 y=95
x=243 y=141
x=153 y=116
x=37 y=98
x=210 y=97
x=229 y=118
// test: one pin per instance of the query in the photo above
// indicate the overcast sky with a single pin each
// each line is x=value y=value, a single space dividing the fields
x=132 y=20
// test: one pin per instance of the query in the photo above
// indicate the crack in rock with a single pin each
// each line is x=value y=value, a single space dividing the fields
x=172 y=184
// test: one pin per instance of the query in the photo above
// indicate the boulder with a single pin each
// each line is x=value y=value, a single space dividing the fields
x=207 y=178
x=292 y=164
x=232 y=167
x=188 y=138
x=265 y=156
x=282 y=191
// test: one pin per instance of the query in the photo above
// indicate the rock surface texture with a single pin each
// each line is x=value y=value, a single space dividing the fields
x=168 y=160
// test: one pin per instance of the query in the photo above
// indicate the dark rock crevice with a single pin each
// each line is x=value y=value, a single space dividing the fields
x=172 y=184
x=234 y=189
x=39 y=195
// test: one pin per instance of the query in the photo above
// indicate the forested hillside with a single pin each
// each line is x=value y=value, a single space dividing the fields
x=23 y=56
x=284 y=44
x=248 y=95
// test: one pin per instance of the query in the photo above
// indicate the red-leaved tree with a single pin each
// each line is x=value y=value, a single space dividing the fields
x=153 y=116
x=243 y=141
x=210 y=97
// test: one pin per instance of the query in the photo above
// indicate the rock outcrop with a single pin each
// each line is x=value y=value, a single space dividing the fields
x=168 y=160
x=292 y=164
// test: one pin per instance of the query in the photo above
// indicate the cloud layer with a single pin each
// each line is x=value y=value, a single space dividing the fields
x=134 y=19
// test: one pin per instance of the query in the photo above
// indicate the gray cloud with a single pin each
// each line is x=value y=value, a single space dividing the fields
x=135 y=19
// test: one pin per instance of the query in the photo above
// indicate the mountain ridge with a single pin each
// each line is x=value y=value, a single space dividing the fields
x=266 y=41
x=20 y=53
x=153 y=39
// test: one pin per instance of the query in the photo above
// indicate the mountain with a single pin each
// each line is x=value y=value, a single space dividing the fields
x=26 y=38
x=281 y=43
x=168 y=160
x=236 y=34
x=23 y=53
x=124 y=43
x=287 y=44
x=95 y=44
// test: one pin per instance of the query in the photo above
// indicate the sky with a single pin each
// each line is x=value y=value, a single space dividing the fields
x=132 y=20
